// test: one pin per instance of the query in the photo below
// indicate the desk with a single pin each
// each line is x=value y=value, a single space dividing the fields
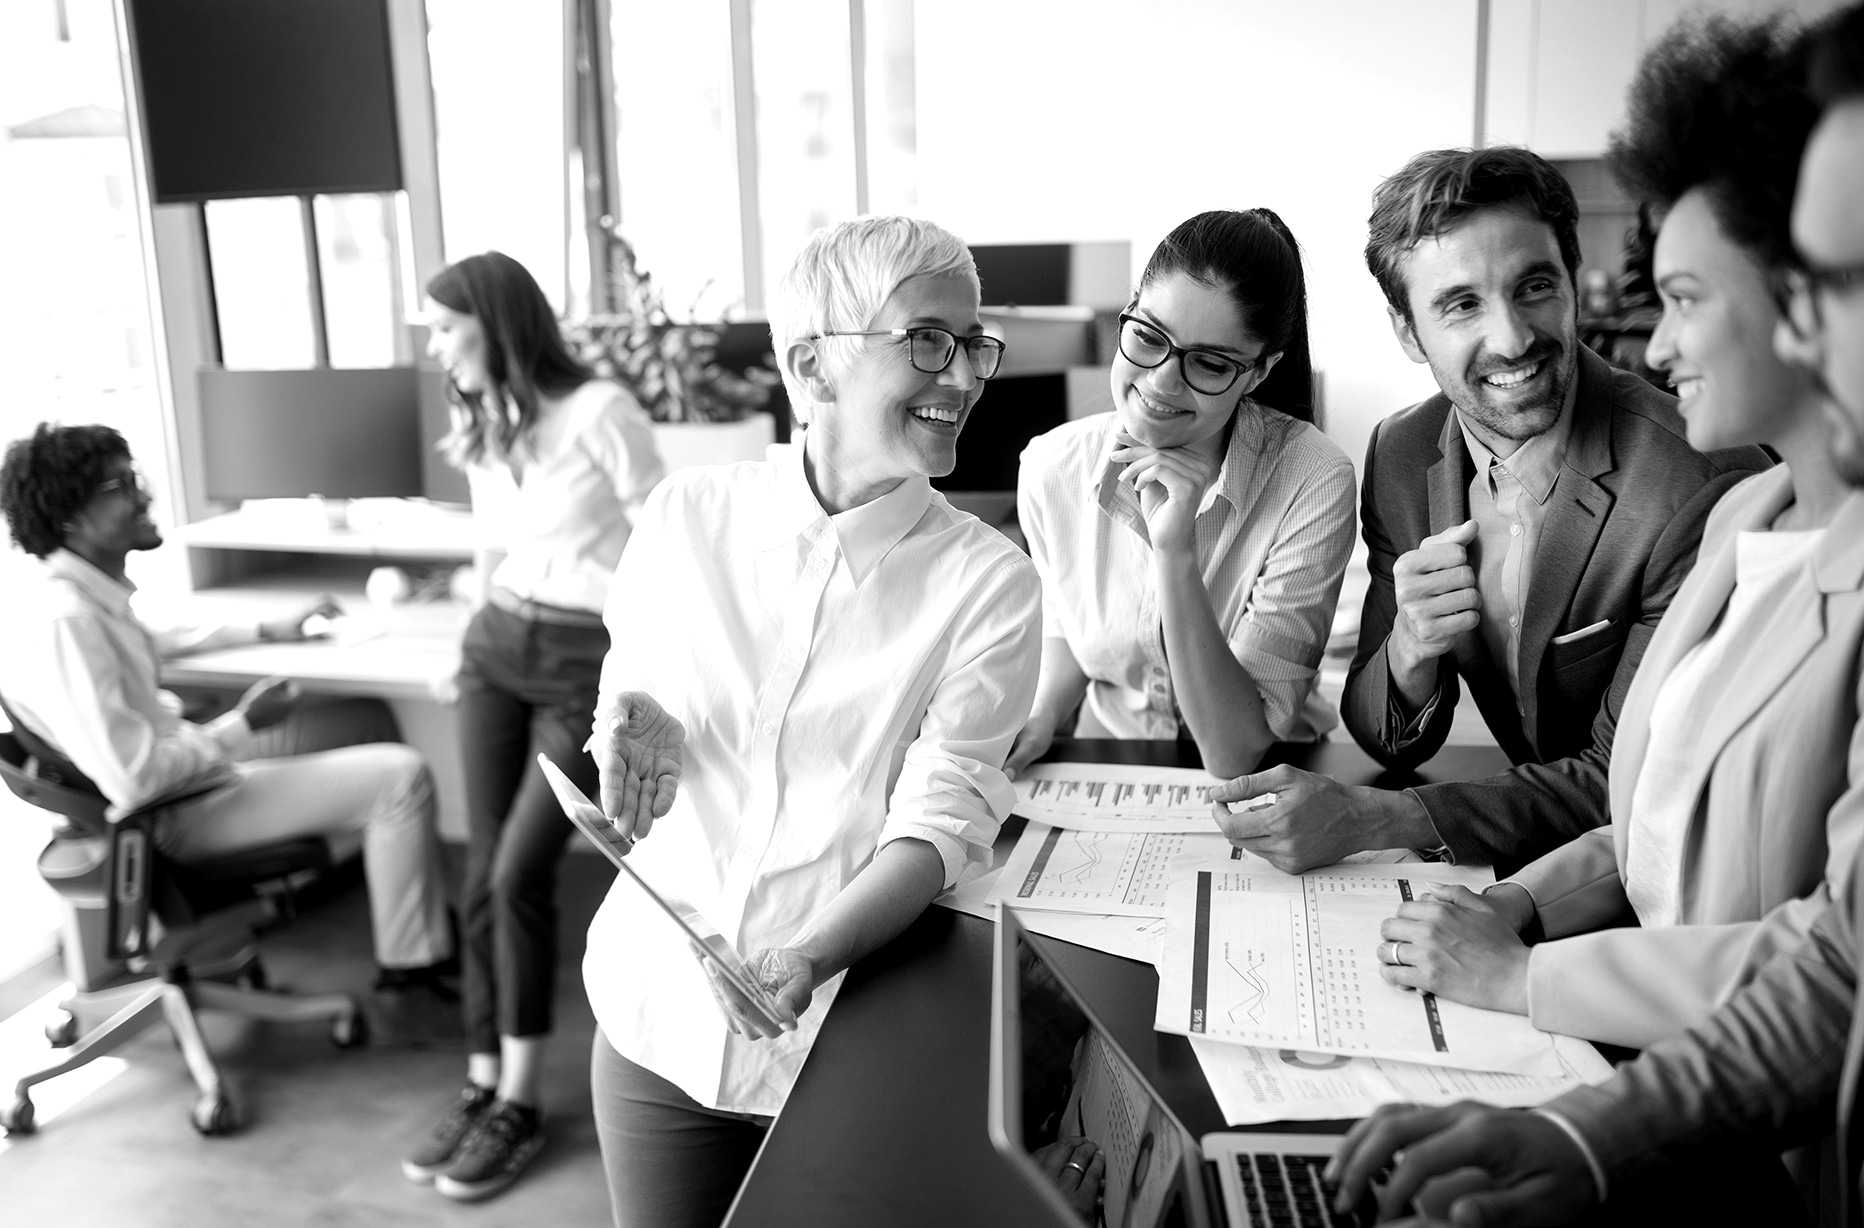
x=417 y=650
x=886 y=1124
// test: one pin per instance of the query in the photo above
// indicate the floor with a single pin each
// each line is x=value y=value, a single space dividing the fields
x=324 y=1129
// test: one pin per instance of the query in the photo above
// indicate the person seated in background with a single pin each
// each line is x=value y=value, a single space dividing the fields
x=1737 y=778
x=84 y=675
x=1191 y=543
x=559 y=462
x=817 y=669
x=1782 y=1059
x=1527 y=528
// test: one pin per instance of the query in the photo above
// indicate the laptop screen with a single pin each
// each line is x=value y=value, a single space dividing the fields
x=1058 y=1076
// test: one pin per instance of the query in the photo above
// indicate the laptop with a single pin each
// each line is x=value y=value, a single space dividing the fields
x=1056 y=1072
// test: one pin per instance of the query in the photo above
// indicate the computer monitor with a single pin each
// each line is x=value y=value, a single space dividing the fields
x=272 y=98
x=342 y=434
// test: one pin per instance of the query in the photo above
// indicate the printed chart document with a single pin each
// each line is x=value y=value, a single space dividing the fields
x=1118 y=873
x=1116 y=797
x=1254 y=1085
x=1132 y=937
x=1292 y=962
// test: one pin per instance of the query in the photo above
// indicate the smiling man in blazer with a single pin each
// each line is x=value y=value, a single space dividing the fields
x=1783 y=1059
x=1527 y=527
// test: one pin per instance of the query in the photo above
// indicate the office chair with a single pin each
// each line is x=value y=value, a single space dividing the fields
x=147 y=937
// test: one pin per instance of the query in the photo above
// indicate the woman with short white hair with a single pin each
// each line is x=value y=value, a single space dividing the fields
x=818 y=667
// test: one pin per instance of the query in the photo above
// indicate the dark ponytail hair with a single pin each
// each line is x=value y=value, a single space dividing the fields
x=525 y=356
x=1253 y=257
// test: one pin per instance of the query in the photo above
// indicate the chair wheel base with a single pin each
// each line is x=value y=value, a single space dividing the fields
x=213 y=1115
x=61 y=1030
x=16 y=1118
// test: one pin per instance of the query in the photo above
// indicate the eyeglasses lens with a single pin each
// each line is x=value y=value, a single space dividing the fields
x=932 y=349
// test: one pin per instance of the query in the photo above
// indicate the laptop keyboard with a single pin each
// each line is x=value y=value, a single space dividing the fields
x=1285 y=1191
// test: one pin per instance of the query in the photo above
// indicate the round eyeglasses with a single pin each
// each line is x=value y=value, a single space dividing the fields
x=1145 y=345
x=932 y=349
x=1797 y=289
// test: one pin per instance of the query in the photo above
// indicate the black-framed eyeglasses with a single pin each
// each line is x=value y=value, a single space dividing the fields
x=1145 y=345
x=131 y=483
x=932 y=349
x=1797 y=289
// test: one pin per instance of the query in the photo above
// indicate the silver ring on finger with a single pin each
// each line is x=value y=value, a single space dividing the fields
x=1077 y=1166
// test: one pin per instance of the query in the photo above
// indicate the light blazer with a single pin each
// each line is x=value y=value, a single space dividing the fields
x=1620 y=535
x=1779 y=786
x=1773 y=1063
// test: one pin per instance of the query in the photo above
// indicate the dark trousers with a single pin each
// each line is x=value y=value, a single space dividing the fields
x=671 y=1162
x=524 y=687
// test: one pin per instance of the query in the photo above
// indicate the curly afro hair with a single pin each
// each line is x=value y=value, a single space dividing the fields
x=1838 y=59
x=48 y=478
x=1721 y=105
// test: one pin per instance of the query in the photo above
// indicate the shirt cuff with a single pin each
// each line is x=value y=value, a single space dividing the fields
x=1406 y=731
x=1585 y=1148
x=1442 y=851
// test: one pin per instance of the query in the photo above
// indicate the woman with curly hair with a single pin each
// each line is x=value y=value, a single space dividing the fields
x=1737 y=772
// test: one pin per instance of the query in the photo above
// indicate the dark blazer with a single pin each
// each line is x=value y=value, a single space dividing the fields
x=1620 y=535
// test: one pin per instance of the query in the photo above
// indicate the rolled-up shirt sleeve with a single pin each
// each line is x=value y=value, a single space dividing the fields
x=1283 y=631
x=951 y=791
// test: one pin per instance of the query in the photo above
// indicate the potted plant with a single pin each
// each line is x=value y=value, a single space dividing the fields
x=704 y=413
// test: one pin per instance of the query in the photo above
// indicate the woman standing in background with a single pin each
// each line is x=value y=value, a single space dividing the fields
x=559 y=463
x=1191 y=543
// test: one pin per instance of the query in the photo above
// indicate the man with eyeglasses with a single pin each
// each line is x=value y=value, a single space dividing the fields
x=1779 y=1057
x=1527 y=528
x=81 y=673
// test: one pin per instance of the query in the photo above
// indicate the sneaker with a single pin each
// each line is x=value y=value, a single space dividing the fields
x=415 y=1013
x=435 y=1155
x=492 y=1156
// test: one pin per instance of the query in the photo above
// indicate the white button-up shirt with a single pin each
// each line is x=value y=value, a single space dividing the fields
x=844 y=681
x=1273 y=535
x=563 y=527
x=84 y=674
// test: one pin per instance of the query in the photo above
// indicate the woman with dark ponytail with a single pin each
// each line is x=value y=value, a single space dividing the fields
x=1191 y=542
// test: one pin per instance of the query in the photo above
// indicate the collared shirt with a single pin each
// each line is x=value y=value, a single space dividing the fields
x=563 y=526
x=1273 y=533
x=844 y=681
x=84 y=674
x=1508 y=499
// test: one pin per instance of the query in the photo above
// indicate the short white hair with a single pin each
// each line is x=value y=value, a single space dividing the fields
x=843 y=276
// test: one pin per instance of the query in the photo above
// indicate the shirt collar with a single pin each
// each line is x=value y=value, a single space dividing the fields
x=1536 y=463
x=864 y=534
x=111 y=594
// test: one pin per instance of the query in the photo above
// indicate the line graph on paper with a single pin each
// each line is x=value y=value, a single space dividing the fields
x=1250 y=996
x=1123 y=873
x=1253 y=1008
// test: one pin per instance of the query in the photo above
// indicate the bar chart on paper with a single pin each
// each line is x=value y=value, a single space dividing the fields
x=1116 y=797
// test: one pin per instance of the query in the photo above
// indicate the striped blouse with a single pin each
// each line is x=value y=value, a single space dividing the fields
x=1273 y=536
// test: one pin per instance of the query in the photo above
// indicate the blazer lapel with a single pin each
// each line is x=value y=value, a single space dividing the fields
x=1693 y=611
x=1789 y=633
x=1575 y=518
